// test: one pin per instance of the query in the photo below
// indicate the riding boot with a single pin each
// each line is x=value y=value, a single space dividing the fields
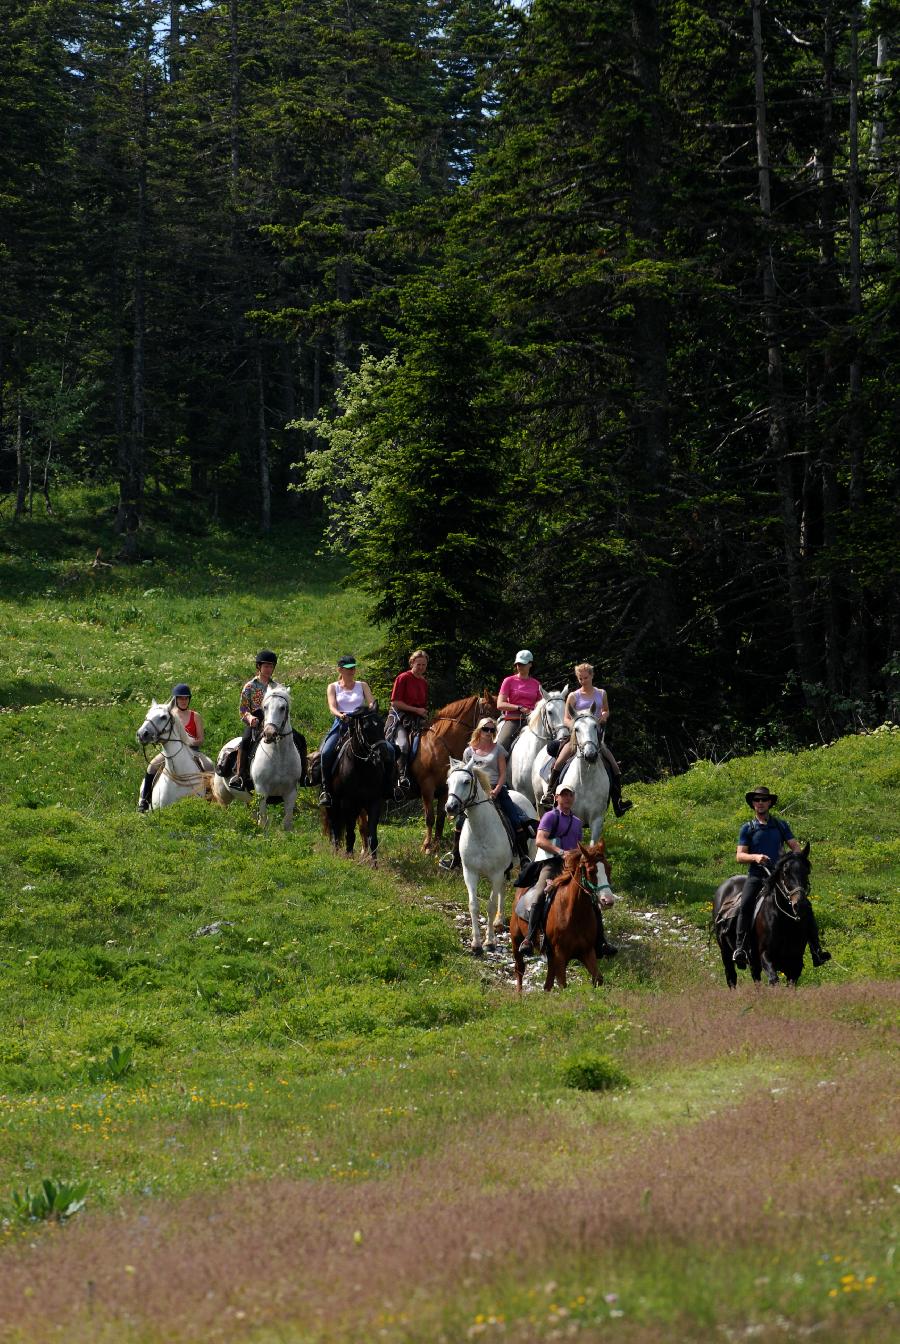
x=620 y=805
x=146 y=791
x=816 y=950
x=745 y=915
x=549 y=793
x=237 y=779
x=452 y=860
x=535 y=921
x=522 y=839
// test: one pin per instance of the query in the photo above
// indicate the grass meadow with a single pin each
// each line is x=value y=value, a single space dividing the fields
x=322 y=1120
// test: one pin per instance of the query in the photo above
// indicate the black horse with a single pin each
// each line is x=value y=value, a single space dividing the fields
x=783 y=925
x=358 y=782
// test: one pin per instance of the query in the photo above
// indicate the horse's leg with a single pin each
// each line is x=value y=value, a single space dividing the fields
x=551 y=968
x=427 y=793
x=374 y=815
x=767 y=965
x=471 y=881
x=439 y=814
x=589 y=961
x=349 y=828
x=494 y=902
x=263 y=812
x=290 y=798
x=516 y=935
x=728 y=964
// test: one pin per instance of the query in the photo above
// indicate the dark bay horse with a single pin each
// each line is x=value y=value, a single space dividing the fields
x=358 y=782
x=574 y=923
x=448 y=735
x=780 y=931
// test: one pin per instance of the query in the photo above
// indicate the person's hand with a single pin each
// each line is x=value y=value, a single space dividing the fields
x=254 y=721
x=606 y=900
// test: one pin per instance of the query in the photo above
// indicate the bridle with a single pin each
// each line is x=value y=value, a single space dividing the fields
x=472 y=800
x=579 y=745
x=356 y=738
x=277 y=732
x=549 y=732
x=164 y=738
x=778 y=888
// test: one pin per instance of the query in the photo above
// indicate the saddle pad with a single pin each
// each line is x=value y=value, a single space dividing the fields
x=545 y=769
x=226 y=757
x=731 y=908
x=525 y=904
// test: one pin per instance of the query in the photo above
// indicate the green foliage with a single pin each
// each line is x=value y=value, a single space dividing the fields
x=55 y=1201
x=593 y=1073
x=114 y=1069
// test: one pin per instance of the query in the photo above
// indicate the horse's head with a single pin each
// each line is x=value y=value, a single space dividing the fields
x=790 y=880
x=158 y=725
x=276 y=707
x=549 y=713
x=366 y=725
x=586 y=734
x=462 y=787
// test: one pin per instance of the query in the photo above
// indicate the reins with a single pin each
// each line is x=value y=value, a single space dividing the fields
x=165 y=740
x=776 y=887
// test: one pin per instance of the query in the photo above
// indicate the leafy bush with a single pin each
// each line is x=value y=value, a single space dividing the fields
x=55 y=1201
x=593 y=1073
x=114 y=1068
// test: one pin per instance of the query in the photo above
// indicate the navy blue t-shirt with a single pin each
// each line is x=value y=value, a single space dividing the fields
x=767 y=839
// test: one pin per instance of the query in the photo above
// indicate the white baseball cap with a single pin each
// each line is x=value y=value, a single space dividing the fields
x=524 y=656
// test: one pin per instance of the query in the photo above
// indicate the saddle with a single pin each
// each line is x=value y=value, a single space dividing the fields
x=731 y=908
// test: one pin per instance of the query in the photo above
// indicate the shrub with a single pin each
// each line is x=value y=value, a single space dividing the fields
x=593 y=1073
x=55 y=1201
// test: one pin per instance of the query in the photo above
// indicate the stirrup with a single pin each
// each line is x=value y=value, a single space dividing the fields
x=403 y=784
x=447 y=861
x=325 y=799
x=236 y=783
x=526 y=948
x=740 y=957
x=622 y=806
x=547 y=798
x=143 y=805
x=819 y=956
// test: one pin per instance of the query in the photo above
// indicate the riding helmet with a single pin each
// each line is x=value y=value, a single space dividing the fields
x=266 y=656
x=181 y=689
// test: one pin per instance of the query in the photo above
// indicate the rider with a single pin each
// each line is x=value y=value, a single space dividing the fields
x=252 y=695
x=594 y=698
x=559 y=831
x=516 y=698
x=345 y=696
x=191 y=722
x=408 y=712
x=486 y=753
x=760 y=845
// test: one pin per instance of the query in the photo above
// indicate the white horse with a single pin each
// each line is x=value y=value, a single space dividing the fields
x=185 y=772
x=585 y=773
x=545 y=722
x=484 y=845
x=277 y=767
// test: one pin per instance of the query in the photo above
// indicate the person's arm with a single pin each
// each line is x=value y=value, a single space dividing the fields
x=368 y=696
x=569 y=715
x=604 y=707
x=546 y=842
x=409 y=709
x=247 y=712
x=501 y=773
x=743 y=855
x=332 y=702
x=794 y=845
x=198 y=740
x=504 y=703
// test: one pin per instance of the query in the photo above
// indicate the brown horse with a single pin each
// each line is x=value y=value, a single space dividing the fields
x=448 y=735
x=574 y=922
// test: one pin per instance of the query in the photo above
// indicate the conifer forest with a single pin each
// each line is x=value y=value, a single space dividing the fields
x=572 y=324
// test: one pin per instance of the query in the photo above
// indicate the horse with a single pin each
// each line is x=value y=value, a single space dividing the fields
x=358 y=781
x=545 y=722
x=779 y=934
x=485 y=848
x=574 y=922
x=585 y=773
x=185 y=772
x=447 y=735
x=278 y=766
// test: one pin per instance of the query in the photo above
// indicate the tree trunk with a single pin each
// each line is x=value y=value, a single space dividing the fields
x=882 y=87
x=779 y=431
x=265 y=488
x=22 y=473
x=174 y=42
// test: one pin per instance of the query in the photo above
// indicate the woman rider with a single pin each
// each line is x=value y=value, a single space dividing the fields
x=594 y=698
x=486 y=753
x=345 y=696
x=408 y=712
x=192 y=723
x=516 y=698
x=253 y=693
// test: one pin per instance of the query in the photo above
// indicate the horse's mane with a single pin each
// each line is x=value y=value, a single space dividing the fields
x=535 y=716
x=482 y=777
x=455 y=708
x=179 y=726
x=278 y=690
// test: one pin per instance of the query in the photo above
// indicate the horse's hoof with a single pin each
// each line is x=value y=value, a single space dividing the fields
x=477 y=950
x=490 y=947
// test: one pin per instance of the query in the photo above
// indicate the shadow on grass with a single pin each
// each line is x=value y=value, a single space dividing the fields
x=21 y=693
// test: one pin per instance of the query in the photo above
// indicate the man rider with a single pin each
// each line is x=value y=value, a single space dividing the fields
x=760 y=845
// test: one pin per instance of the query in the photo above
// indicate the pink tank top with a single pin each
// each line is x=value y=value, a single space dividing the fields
x=593 y=701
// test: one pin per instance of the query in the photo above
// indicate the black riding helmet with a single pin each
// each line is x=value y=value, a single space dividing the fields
x=266 y=656
x=181 y=689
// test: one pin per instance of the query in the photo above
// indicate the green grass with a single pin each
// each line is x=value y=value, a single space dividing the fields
x=334 y=1033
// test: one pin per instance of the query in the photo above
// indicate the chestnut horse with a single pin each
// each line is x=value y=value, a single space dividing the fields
x=574 y=922
x=448 y=735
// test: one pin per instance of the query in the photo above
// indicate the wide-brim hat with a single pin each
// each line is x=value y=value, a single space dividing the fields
x=763 y=794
